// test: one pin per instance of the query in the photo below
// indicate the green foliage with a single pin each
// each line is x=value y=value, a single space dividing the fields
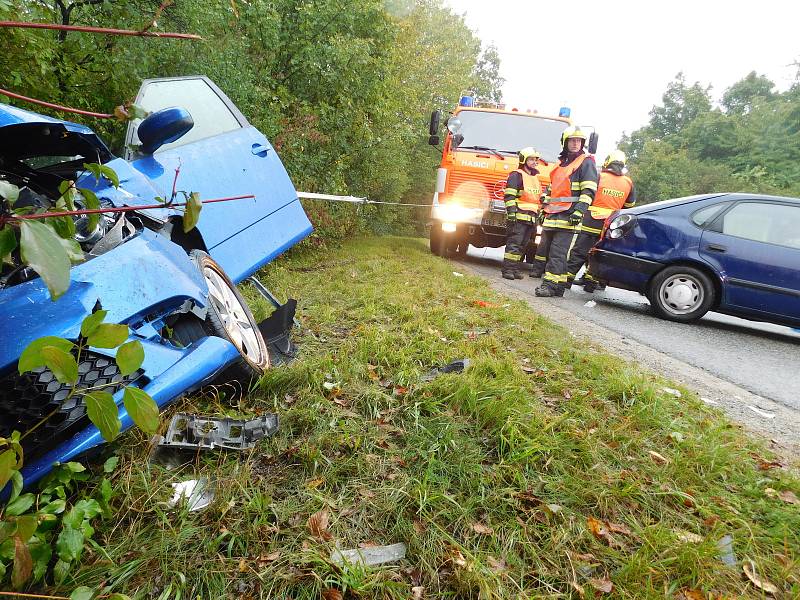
x=343 y=88
x=750 y=143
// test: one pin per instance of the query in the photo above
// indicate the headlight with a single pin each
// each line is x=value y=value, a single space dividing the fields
x=455 y=213
x=620 y=221
x=615 y=234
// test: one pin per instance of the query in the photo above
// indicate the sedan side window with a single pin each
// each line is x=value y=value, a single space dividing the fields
x=210 y=113
x=764 y=222
x=705 y=215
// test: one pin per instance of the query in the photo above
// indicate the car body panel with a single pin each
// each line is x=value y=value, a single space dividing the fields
x=758 y=281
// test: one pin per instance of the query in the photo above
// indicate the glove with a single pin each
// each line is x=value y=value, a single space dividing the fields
x=575 y=217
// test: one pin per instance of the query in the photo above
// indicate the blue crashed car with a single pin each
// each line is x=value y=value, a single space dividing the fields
x=175 y=291
x=737 y=254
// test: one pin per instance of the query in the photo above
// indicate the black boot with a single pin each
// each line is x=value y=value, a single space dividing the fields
x=548 y=291
x=518 y=275
x=589 y=287
x=507 y=274
x=536 y=272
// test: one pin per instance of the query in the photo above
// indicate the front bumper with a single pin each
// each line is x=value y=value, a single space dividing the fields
x=622 y=270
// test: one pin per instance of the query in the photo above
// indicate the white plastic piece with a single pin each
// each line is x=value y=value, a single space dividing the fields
x=373 y=555
x=709 y=401
x=761 y=413
x=590 y=304
x=194 y=492
x=671 y=391
x=457 y=274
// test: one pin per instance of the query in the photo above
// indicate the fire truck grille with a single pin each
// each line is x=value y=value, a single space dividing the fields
x=474 y=189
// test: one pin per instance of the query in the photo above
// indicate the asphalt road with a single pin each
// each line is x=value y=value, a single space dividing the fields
x=759 y=357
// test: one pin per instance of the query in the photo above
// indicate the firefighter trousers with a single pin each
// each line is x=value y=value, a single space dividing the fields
x=588 y=234
x=542 y=251
x=555 y=271
x=517 y=240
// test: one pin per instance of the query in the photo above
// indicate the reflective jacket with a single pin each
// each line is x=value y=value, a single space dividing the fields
x=614 y=191
x=524 y=192
x=572 y=179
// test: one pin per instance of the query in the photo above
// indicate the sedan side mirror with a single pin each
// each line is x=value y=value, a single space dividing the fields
x=162 y=127
x=593 y=140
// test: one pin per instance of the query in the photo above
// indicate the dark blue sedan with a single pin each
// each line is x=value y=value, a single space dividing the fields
x=737 y=254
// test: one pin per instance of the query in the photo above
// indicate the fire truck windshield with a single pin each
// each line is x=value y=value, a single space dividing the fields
x=511 y=132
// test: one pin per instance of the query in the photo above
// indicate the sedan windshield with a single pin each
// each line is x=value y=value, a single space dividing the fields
x=511 y=132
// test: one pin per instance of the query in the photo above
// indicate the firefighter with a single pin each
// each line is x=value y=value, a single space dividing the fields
x=573 y=184
x=614 y=191
x=522 y=197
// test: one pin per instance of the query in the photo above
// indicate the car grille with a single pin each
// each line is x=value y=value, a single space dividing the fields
x=27 y=399
x=473 y=189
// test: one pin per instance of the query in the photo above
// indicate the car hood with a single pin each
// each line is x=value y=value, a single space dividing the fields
x=24 y=134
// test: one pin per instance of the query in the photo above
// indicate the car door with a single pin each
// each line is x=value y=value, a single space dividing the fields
x=755 y=247
x=220 y=157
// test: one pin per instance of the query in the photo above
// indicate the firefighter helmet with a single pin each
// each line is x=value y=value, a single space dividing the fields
x=573 y=132
x=616 y=156
x=527 y=153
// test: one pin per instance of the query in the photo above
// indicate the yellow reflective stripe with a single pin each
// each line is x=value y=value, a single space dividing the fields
x=512 y=192
x=628 y=205
x=588 y=277
x=589 y=185
x=511 y=202
x=576 y=185
x=524 y=217
x=585 y=198
x=600 y=212
x=589 y=229
x=548 y=276
x=512 y=256
x=540 y=258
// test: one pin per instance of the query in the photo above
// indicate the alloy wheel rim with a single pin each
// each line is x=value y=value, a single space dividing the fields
x=233 y=316
x=681 y=294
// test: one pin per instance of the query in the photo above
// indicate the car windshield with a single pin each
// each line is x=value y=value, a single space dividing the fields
x=511 y=132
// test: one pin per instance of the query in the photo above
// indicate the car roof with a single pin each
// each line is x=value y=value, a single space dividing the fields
x=722 y=197
x=11 y=115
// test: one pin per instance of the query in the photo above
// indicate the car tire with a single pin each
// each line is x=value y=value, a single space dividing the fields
x=681 y=293
x=230 y=318
x=437 y=240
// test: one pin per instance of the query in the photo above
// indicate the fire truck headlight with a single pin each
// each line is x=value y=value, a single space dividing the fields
x=449 y=227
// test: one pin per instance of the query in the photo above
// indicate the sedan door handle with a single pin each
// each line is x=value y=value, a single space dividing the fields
x=716 y=248
x=260 y=149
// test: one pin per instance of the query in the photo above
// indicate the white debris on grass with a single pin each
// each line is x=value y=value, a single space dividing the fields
x=671 y=391
x=371 y=555
x=457 y=274
x=761 y=413
x=709 y=401
x=590 y=304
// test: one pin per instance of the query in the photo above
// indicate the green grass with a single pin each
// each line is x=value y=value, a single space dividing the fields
x=539 y=435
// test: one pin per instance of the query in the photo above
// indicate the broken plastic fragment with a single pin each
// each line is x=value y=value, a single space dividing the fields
x=725 y=547
x=590 y=304
x=671 y=391
x=193 y=432
x=373 y=555
x=457 y=274
x=194 y=492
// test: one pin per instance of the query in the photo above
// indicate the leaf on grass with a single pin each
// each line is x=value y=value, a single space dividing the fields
x=603 y=585
x=110 y=464
x=23 y=563
x=103 y=412
x=82 y=593
x=19 y=505
x=789 y=497
x=331 y=594
x=69 y=544
x=399 y=390
x=482 y=529
x=191 y=213
x=602 y=530
x=318 y=524
x=130 y=357
x=8 y=465
x=749 y=569
x=43 y=251
x=688 y=537
x=141 y=408
x=659 y=458
x=498 y=565
x=265 y=559
x=691 y=595
x=108 y=335
x=62 y=364
x=26 y=527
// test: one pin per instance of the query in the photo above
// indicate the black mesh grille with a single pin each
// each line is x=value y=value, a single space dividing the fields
x=27 y=399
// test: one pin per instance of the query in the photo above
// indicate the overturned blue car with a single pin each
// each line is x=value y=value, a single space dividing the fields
x=176 y=291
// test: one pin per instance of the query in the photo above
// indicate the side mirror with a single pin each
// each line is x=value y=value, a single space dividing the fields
x=433 y=129
x=162 y=127
x=593 y=140
x=457 y=140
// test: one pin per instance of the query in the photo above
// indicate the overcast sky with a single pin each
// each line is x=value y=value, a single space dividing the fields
x=611 y=61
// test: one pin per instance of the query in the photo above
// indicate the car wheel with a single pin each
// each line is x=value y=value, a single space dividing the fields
x=230 y=318
x=681 y=293
x=437 y=240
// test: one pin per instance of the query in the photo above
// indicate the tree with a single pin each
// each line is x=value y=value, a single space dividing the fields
x=745 y=93
x=682 y=104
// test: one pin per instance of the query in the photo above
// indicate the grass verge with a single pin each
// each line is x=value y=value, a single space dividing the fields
x=547 y=469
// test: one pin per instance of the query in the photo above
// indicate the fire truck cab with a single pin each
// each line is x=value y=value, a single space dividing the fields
x=480 y=149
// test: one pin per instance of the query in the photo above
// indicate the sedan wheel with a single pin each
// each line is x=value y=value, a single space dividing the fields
x=681 y=293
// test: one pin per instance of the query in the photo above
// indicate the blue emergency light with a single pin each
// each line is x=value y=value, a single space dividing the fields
x=564 y=111
x=466 y=101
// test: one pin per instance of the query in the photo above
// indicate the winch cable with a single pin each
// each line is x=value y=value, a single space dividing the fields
x=353 y=199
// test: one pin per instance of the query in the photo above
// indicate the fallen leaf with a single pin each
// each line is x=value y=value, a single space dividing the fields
x=711 y=521
x=617 y=528
x=332 y=594
x=484 y=304
x=242 y=565
x=688 y=536
x=497 y=565
x=602 y=585
x=579 y=589
x=482 y=529
x=264 y=559
x=553 y=509
x=417 y=592
x=458 y=559
x=315 y=483
x=567 y=395
x=289 y=399
x=602 y=530
x=587 y=557
x=749 y=569
x=659 y=458
x=318 y=524
x=770 y=493
x=419 y=526
x=528 y=370
x=341 y=401
x=399 y=390
x=691 y=595
x=789 y=496
x=765 y=465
